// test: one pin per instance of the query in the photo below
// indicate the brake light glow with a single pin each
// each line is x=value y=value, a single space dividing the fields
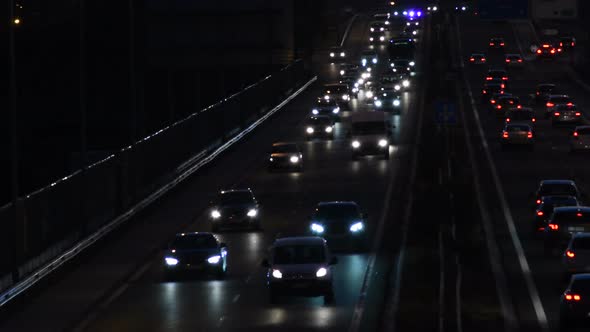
x=550 y=104
x=491 y=44
x=471 y=59
x=519 y=106
x=572 y=297
x=504 y=78
x=552 y=51
x=578 y=114
x=540 y=213
x=489 y=78
x=575 y=134
x=484 y=91
x=570 y=104
x=538 y=201
x=578 y=214
x=546 y=45
x=529 y=135
x=556 y=113
x=539 y=51
x=533 y=120
x=501 y=44
x=538 y=93
x=499 y=106
x=502 y=86
x=519 y=60
x=570 y=254
x=505 y=134
x=493 y=101
x=573 y=44
x=483 y=59
x=507 y=60
x=553 y=227
x=507 y=119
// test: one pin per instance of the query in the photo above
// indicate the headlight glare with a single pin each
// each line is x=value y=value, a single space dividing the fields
x=356 y=144
x=357 y=227
x=214 y=259
x=277 y=274
x=328 y=129
x=321 y=272
x=382 y=143
x=252 y=213
x=310 y=130
x=314 y=111
x=294 y=159
x=215 y=214
x=317 y=228
x=171 y=261
x=378 y=103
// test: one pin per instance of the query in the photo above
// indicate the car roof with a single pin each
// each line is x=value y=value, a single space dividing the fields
x=332 y=203
x=585 y=209
x=189 y=234
x=299 y=240
x=552 y=197
x=581 y=277
x=479 y=53
x=508 y=96
x=509 y=125
x=581 y=127
x=521 y=110
x=558 y=96
x=557 y=181
x=581 y=235
x=496 y=69
x=513 y=54
x=231 y=191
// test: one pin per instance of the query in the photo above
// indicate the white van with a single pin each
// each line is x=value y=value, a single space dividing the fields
x=370 y=134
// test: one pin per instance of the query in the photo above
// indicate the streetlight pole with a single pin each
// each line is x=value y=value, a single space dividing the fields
x=14 y=164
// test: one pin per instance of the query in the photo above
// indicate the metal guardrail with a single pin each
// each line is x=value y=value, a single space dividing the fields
x=81 y=208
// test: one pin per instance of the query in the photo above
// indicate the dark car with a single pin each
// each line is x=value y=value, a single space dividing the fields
x=337 y=91
x=565 y=221
x=340 y=223
x=554 y=100
x=319 y=126
x=547 y=50
x=574 y=305
x=497 y=43
x=198 y=252
x=567 y=42
x=236 y=208
x=564 y=113
x=517 y=134
x=326 y=106
x=505 y=103
x=522 y=115
x=500 y=74
x=284 y=155
x=555 y=188
x=545 y=208
x=543 y=91
x=376 y=37
x=403 y=66
x=300 y=266
x=490 y=88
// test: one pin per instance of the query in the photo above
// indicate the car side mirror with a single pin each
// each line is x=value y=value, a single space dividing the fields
x=333 y=260
x=265 y=263
x=223 y=245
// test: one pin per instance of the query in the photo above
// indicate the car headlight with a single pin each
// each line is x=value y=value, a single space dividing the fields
x=215 y=214
x=382 y=29
x=310 y=130
x=364 y=62
x=435 y=8
x=382 y=143
x=317 y=228
x=369 y=94
x=406 y=83
x=331 y=54
x=342 y=54
x=336 y=110
x=414 y=32
x=355 y=89
x=171 y=261
x=342 y=72
x=294 y=159
x=277 y=274
x=357 y=227
x=214 y=259
x=252 y=213
x=394 y=70
x=369 y=70
x=381 y=38
x=371 y=39
x=329 y=129
x=378 y=103
x=372 y=29
x=396 y=102
x=356 y=144
x=412 y=63
x=374 y=60
x=397 y=87
x=321 y=272
x=344 y=97
x=314 y=111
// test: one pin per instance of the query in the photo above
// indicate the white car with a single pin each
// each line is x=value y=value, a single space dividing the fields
x=300 y=266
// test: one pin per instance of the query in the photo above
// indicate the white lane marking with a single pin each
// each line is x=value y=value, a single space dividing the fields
x=236 y=298
x=441 y=285
x=102 y=306
x=531 y=286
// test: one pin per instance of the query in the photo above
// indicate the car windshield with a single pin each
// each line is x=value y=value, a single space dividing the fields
x=319 y=121
x=194 y=242
x=560 y=100
x=299 y=254
x=235 y=197
x=581 y=243
x=337 y=211
x=285 y=148
x=557 y=188
x=581 y=286
x=546 y=88
x=326 y=102
x=389 y=80
x=517 y=128
x=566 y=108
x=368 y=128
x=520 y=115
x=335 y=89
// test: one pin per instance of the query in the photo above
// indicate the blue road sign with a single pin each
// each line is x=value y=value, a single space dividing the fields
x=445 y=113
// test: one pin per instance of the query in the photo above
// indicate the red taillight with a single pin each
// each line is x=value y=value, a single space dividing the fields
x=559 y=50
x=553 y=227
x=519 y=60
x=546 y=45
x=540 y=213
x=471 y=59
x=575 y=134
x=538 y=201
x=539 y=51
x=553 y=51
x=550 y=104
x=519 y=106
x=578 y=214
x=556 y=113
x=578 y=114
x=538 y=93
x=572 y=297
x=533 y=120
x=502 y=86
x=483 y=59
x=484 y=91
x=570 y=254
x=504 y=78
x=489 y=78
x=561 y=44
x=493 y=101
x=499 y=106
x=507 y=60
x=573 y=44
x=507 y=119
x=570 y=104
x=529 y=135
x=511 y=102
x=505 y=134
x=491 y=44
x=501 y=44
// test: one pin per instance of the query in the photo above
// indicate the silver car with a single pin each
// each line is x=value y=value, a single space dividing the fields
x=300 y=266
x=517 y=134
x=580 y=139
x=576 y=257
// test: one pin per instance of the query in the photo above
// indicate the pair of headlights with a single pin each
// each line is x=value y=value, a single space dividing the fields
x=354 y=228
x=172 y=261
x=382 y=143
x=320 y=273
x=328 y=130
x=216 y=214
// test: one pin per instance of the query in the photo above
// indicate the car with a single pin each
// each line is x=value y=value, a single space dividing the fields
x=497 y=43
x=369 y=134
x=546 y=50
x=387 y=100
x=377 y=26
x=556 y=187
x=553 y=101
x=565 y=221
x=352 y=81
x=198 y=252
x=497 y=74
x=574 y=305
x=576 y=257
x=514 y=60
x=326 y=106
x=543 y=91
x=348 y=69
x=564 y=113
x=517 y=134
x=285 y=155
x=383 y=18
x=461 y=7
x=524 y=115
x=337 y=53
x=319 y=126
x=300 y=266
x=395 y=82
x=376 y=37
x=477 y=58
x=403 y=66
x=235 y=209
x=337 y=91
x=504 y=103
x=410 y=32
x=580 y=139
x=495 y=97
x=567 y=42
x=491 y=88
x=341 y=223
x=369 y=58
x=547 y=205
